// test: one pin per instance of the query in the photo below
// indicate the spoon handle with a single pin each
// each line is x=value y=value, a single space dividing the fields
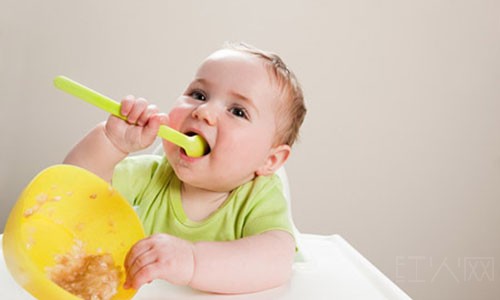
x=111 y=106
x=76 y=89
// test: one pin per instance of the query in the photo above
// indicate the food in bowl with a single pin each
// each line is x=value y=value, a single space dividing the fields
x=88 y=276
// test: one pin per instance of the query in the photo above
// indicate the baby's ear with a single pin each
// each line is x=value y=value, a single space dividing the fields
x=277 y=157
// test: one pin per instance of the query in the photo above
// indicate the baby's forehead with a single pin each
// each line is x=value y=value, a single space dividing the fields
x=238 y=58
x=232 y=55
x=228 y=53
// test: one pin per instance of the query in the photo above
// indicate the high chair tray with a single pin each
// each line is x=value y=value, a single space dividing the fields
x=329 y=268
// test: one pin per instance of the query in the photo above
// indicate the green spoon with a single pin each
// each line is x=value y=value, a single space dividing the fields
x=195 y=146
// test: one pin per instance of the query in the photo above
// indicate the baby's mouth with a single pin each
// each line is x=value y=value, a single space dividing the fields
x=207 y=149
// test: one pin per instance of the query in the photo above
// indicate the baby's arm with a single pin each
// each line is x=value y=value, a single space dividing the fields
x=246 y=265
x=111 y=141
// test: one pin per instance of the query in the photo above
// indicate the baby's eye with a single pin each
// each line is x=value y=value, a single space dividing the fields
x=239 y=112
x=198 y=95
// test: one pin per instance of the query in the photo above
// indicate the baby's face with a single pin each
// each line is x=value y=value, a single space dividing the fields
x=232 y=104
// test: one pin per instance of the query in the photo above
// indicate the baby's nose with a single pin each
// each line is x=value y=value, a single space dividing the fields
x=206 y=112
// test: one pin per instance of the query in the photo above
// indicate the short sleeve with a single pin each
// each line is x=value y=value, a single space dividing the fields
x=269 y=209
x=133 y=174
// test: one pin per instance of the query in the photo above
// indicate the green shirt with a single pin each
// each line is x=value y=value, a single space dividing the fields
x=149 y=183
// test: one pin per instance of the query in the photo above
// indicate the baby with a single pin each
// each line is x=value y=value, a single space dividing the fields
x=216 y=223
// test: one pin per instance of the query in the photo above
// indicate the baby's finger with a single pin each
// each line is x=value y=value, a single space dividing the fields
x=164 y=119
x=140 y=247
x=146 y=114
x=144 y=275
x=139 y=106
x=151 y=129
x=142 y=261
x=126 y=105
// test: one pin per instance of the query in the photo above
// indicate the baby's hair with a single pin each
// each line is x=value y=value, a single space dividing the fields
x=292 y=108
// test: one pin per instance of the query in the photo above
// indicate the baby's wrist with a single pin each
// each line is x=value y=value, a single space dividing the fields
x=117 y=149
x=191 y=280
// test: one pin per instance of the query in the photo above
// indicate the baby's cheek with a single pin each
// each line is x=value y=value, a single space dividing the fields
x=165 y=147
x=176 y=117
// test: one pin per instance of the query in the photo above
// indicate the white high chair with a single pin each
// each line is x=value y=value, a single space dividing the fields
x=326 y=267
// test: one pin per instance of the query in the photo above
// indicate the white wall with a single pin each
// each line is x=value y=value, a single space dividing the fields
x=400 y=152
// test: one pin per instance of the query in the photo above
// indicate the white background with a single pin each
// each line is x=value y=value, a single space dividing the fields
x=400 y=150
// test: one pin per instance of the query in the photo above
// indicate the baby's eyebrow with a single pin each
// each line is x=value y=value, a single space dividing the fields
x=244 y=99
x=200 y=81
x=241 y=97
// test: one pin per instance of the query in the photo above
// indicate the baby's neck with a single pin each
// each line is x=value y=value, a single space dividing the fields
x=198 y=203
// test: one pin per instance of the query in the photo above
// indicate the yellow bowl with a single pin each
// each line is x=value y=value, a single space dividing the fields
x=63 y=204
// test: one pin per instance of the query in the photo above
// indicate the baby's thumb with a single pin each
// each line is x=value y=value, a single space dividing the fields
x=150 y=131
x=164 y=119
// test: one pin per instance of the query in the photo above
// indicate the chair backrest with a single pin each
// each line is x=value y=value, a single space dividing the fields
x=286 y=192
x=300 y=256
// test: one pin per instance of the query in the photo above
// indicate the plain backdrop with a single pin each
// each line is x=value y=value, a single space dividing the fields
x=400 y=150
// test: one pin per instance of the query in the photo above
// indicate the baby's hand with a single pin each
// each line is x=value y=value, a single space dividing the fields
x=141 y=127
x=160 y=256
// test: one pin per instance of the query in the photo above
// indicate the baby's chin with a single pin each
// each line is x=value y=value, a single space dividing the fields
x=204 y=186
x=207 y=183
